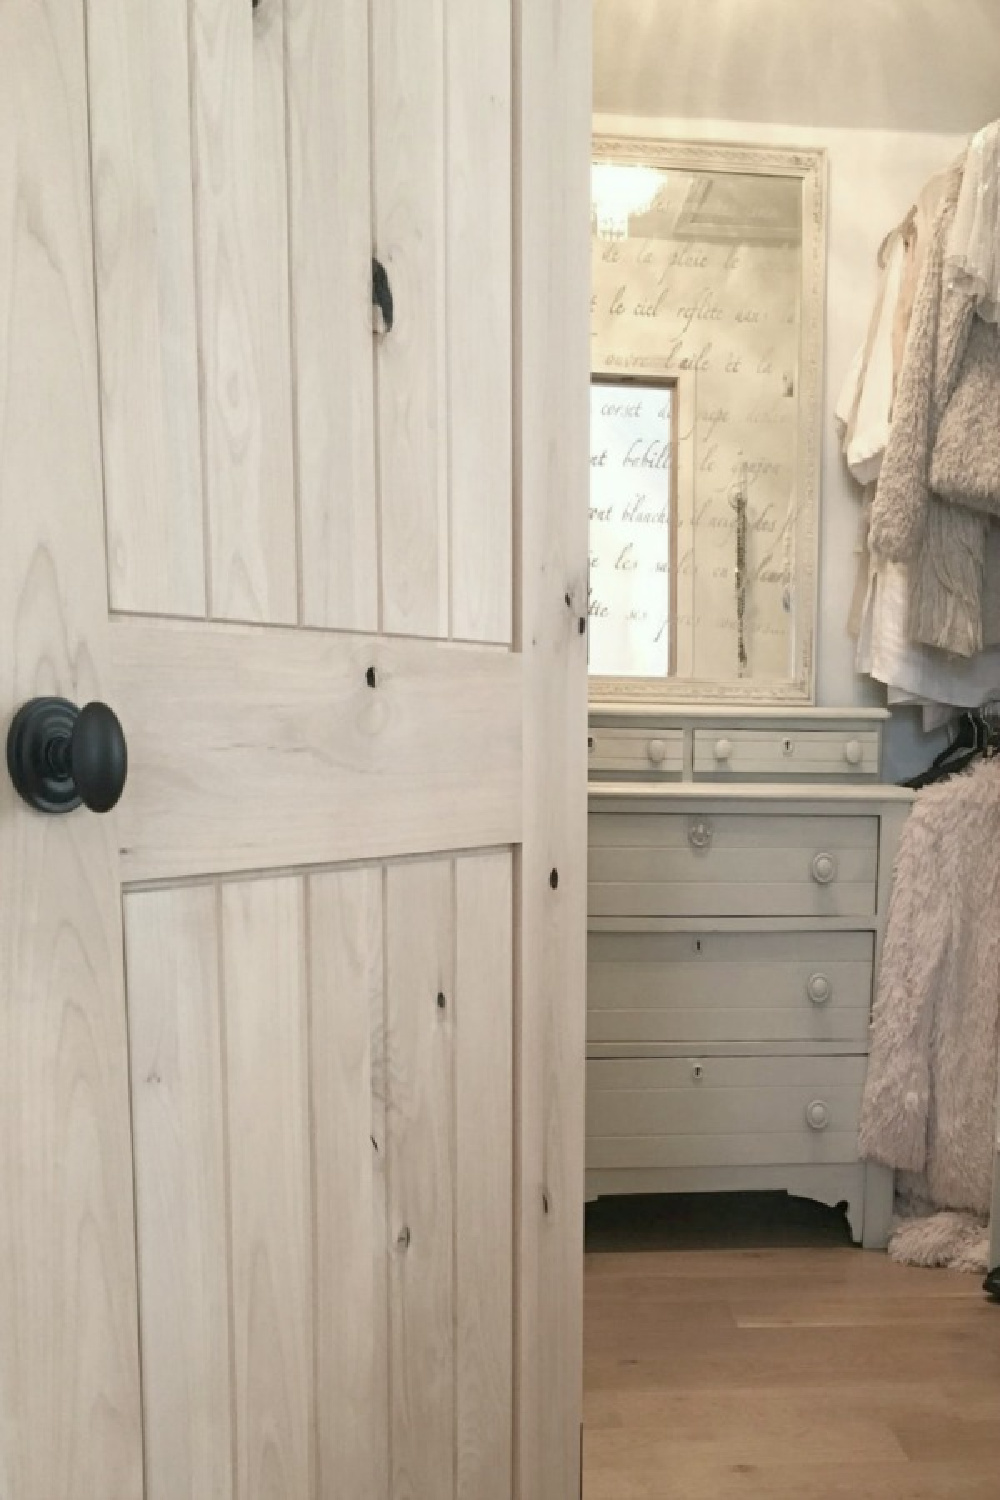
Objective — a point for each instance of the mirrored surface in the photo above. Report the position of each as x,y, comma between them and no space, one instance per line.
706,319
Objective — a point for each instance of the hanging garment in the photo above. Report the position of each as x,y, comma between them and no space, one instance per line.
945,545
972,257
929,1105
943,187
878,619
915,673
965,464
865,405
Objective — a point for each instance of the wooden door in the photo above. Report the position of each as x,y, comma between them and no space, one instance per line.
291,1043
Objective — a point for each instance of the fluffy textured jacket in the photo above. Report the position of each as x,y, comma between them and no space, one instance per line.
944,544
930,1098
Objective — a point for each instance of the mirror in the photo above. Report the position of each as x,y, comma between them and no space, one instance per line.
706,335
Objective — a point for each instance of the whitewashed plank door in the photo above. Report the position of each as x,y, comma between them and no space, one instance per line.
291,1042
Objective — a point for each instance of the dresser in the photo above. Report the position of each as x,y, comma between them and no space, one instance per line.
739,874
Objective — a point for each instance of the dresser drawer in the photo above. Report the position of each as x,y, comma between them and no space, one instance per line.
674,987
818,753
687,864
653,752
722,1111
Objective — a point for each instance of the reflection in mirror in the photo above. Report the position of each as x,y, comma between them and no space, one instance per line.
706,309
632,527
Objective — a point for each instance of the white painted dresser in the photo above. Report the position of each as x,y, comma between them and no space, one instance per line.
739,873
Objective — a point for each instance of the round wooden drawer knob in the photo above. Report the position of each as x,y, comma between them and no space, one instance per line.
854,752
723,750
817,1115
824,869
820,989
657,752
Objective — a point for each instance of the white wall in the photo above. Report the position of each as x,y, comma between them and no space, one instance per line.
815,73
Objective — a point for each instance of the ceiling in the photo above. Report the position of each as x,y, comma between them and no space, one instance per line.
912,65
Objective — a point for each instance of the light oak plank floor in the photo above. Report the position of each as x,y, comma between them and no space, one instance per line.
737,1351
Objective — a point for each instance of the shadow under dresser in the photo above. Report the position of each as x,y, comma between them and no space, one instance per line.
740,864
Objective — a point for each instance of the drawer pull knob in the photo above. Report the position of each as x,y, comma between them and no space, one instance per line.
697,1072
854,752
723,749
700,833
824,869
657,752
820,989
817,1115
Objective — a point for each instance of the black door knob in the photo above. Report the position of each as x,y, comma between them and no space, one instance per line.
60,756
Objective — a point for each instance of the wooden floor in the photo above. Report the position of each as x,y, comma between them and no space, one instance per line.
734,1362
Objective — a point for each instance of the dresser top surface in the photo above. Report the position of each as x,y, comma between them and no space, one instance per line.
811,718
663,794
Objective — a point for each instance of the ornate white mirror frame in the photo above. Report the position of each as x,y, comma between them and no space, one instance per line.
655,358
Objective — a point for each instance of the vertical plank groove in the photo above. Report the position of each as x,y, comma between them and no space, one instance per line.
198,272
456,1001
384,1468
447,350
287,84
227,1157
318,1291
142,1391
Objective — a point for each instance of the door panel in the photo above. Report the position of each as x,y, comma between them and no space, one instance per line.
421,1006
179,1110
484,1218
347,986
479,315
408,136
241,247
331,245
144,229
322,621
239,373
270,1272
266,1063
442,130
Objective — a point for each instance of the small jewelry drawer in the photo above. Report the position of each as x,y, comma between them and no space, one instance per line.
729,987
722,1111
649,752
691,864
817,753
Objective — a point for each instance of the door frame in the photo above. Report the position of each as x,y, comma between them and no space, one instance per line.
552,115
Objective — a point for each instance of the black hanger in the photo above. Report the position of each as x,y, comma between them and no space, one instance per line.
973,738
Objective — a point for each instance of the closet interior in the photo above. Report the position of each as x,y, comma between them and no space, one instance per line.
793,955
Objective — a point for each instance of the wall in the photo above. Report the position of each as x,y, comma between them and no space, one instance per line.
891,89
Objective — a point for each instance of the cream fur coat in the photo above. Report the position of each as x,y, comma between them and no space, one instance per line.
943,543
930,1099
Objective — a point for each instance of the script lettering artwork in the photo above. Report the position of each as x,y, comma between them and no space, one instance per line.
631,500
718,315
